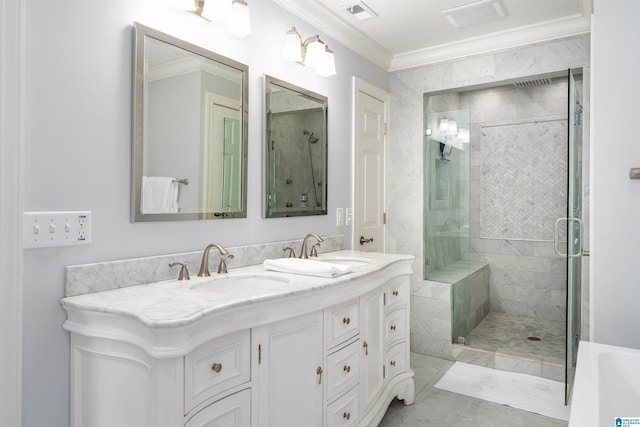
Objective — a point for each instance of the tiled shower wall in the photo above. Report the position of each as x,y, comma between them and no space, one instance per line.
430,301
518,188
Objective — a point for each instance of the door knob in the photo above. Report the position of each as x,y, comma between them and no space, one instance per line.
363,240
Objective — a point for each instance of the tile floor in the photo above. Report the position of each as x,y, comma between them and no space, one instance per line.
435,407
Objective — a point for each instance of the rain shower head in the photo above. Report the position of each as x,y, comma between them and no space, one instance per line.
312,139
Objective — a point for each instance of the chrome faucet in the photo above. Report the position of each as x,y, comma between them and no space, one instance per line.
204,265
303,249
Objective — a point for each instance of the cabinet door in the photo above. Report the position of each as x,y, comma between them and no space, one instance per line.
290,372
232,411
371,368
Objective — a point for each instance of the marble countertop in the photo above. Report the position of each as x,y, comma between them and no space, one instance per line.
174,303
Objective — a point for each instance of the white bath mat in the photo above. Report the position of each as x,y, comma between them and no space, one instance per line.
520,391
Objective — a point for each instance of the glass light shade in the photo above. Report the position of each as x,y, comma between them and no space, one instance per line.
314,55
239,23
453,128
219,11
292,46
328,66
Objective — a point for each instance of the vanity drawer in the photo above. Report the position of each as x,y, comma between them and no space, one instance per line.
343,369
342,322
345,411
396,360
395,326
215,367
232,411
397,292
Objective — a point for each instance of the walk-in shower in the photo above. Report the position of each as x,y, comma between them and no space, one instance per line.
498,173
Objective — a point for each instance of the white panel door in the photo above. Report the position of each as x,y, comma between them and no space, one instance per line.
369,189
290,372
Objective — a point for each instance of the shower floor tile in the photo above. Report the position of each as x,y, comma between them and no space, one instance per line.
507,334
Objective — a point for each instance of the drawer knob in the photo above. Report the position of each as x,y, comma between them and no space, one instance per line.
217,367
395,293
346,320
346,415
392,363
393,327
347,368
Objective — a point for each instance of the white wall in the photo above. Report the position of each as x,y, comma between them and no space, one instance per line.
615,233
78,144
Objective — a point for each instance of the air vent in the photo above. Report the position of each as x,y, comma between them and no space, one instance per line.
359,10
533,83
480,12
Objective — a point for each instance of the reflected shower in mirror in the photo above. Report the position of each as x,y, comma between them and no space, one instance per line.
190,139
295,151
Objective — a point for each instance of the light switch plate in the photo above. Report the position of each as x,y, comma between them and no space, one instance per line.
49,229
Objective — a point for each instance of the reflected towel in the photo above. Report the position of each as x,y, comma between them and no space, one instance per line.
306,267
159,195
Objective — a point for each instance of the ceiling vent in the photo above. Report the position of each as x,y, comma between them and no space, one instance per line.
359,10
479,12
533,83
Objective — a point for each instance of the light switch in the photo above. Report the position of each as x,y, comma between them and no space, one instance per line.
48,229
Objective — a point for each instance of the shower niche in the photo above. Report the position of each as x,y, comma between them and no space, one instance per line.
295,151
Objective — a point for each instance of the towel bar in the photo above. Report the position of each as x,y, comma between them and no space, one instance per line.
184,181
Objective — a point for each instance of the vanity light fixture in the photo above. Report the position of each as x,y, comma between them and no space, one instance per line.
312,53
234,14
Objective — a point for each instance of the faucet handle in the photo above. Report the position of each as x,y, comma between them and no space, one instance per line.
314,250
292,253
222,267
184,273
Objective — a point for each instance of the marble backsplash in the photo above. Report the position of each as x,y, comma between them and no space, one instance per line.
104,276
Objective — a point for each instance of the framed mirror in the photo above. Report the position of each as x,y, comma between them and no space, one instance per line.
295,150
190,131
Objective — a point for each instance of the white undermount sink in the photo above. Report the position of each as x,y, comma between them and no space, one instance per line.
222,282
345,261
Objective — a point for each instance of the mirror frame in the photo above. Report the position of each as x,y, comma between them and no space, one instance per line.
141,32
323,101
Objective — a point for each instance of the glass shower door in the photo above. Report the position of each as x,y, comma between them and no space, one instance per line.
574,232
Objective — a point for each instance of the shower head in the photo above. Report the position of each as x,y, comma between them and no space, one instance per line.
312,139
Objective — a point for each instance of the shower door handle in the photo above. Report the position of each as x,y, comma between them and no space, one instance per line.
556,238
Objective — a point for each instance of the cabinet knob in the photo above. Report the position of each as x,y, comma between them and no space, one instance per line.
347,368
217,367
346,415
392,327
346,320
395,293
392,363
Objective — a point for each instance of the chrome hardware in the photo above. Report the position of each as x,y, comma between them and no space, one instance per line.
395,293
346,415
184,273
292,253
346,320
303,249
363,240
319,372
556,238
366,348
347,368
217,367
393,327
204,264
392,363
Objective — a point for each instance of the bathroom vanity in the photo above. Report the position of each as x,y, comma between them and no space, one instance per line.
249,348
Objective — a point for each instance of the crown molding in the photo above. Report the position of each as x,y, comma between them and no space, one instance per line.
328,23
550,30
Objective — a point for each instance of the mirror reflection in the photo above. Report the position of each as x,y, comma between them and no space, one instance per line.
190,139
295,151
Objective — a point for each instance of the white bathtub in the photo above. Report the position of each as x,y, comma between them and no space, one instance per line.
606,387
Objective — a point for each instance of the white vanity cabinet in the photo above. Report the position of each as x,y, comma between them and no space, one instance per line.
321,353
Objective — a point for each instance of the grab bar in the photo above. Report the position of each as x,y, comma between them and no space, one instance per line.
556,238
